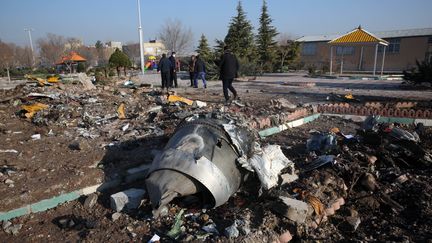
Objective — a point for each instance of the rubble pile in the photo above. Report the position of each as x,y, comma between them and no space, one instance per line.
330,180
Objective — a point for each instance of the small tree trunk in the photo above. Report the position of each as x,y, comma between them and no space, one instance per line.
8,74
118,71
124,70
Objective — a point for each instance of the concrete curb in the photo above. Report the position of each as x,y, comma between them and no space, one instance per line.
273,130
403,120
132,174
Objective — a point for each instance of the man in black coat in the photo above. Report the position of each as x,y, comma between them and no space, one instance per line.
173,71
164,68
229,67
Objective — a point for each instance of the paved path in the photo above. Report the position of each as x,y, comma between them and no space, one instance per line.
288,84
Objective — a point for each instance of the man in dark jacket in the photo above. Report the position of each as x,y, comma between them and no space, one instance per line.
192,70
164,68
229,67
174,69
200,72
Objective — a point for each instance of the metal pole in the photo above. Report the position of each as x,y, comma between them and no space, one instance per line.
29,30
331,59
343,50
375,61
383,60
140,37
361,59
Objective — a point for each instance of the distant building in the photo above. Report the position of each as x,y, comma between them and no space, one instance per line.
114,44
404,48
154,48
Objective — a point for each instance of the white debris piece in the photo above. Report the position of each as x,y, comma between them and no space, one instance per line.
129,199
268,164
199,104
155,238
8,151
36,136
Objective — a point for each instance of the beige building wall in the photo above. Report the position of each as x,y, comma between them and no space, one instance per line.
411,49
154,49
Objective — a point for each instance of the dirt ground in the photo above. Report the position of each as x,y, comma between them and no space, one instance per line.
83,143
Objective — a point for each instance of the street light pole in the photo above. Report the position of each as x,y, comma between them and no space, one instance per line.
140,37
29,30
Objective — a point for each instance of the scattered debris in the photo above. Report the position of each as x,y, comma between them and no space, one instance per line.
90,200
36,136
129,199
8,151
121,111
115,216
232,231
293,209
176,230
268,164
31,110
176,98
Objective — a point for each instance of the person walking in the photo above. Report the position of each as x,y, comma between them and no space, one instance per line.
164,68
174,69
191,70
200,72
229,67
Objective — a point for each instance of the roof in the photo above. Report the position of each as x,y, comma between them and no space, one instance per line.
379,34
358,35
73,56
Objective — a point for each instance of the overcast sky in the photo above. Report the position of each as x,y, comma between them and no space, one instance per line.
117,20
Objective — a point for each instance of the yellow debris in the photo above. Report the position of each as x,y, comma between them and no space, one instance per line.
121,111
33,109
53,79
316,204
175,98
41,81
349,96
335,130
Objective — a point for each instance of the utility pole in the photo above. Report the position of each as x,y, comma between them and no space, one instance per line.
29,30
140,37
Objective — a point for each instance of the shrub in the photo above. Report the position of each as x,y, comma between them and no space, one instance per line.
423,72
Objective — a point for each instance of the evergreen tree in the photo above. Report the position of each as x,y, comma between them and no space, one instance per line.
208,57
218,49
240,37
118,59
266,44
204,49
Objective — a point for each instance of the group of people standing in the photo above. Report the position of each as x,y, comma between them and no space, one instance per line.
228,67
168,67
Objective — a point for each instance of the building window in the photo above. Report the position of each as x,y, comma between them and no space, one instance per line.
430,40
344,50
309,49
393,47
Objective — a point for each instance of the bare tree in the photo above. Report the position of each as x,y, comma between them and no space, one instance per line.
175,36
287,49
73,44
51,48
7,57
23,56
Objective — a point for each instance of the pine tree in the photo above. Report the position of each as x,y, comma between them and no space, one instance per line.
240,37
266,44
204,49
